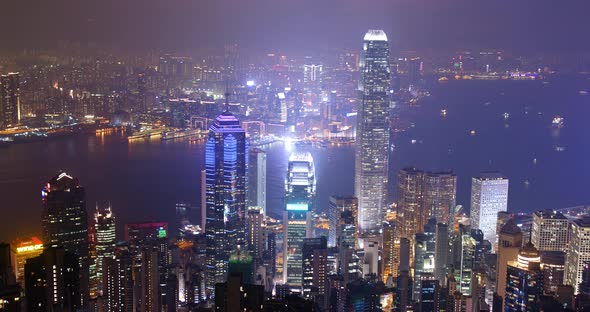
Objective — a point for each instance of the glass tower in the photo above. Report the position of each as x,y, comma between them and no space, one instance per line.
489,195
300,187
226,160
372,133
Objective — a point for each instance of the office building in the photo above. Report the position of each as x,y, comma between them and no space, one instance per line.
257,179
441,252
105,237
22,250
255,235
463,261
10,108
300,186
372,133
429,294
411,216
370,257
315,270
553,264
524,281
578,254
65,222
550,231
10,290
52,281
225,164
424,253
117,280
489,195
440,196
391,245
339,205
509,244
238,295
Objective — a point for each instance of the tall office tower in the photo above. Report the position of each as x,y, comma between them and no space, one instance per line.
312,73
524,281
52,281
509,244
255,223
104,228
391,245
489,195
553,264
550,231
441,252
150,280
65,222
411,216
118,282
9,100
203,200
22,250
372,151
429,294
339,205
257,179
578,254
300,185
424,252
226,160
463,259
315,270
440,196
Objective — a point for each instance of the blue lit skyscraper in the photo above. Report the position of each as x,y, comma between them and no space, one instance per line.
300,190
372,134
225,168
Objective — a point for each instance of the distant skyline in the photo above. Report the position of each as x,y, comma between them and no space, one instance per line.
297,26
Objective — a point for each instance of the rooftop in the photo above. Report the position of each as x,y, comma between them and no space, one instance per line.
375,35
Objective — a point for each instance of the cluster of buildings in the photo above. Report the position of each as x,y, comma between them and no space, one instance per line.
422,253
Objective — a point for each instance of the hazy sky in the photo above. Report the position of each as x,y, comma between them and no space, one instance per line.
298,24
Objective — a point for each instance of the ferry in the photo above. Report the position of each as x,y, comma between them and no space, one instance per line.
506,116
583,92
443,112
557,122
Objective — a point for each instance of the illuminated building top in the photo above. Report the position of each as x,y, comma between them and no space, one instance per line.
375,35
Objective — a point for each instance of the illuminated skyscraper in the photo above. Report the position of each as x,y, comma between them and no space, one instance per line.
510,241
312,73
578,255
524,281
424,252
489,195
104,228
550,231
372,151
315,270
226,159
65,222
22,250
463,260
257,179
410,213
440,196
340,205
9,100
300,187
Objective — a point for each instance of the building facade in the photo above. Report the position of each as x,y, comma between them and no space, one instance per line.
372,133
489,195
550,231
10,108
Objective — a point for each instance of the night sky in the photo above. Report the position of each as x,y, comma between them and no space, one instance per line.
302,25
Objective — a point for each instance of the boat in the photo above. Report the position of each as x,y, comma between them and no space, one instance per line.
443,112
506,116
472,132
557,122
583,92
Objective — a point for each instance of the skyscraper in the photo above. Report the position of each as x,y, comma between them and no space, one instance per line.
315,270
424,252
578,254
411,216
104,228
257,179
9,100
510,242
372,151
339,205
440,196
300,186
22,250
463,260
489,195
226,160
550,231
255,235
65,222
524,281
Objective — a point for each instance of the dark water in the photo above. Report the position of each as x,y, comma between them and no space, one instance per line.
144,180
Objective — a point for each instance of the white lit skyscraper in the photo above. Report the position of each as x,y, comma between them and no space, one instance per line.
549,231
300,190
9,100
257,179
489,195
104,227
372,151
578,255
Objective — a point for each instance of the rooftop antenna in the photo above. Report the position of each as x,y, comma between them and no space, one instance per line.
226,95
